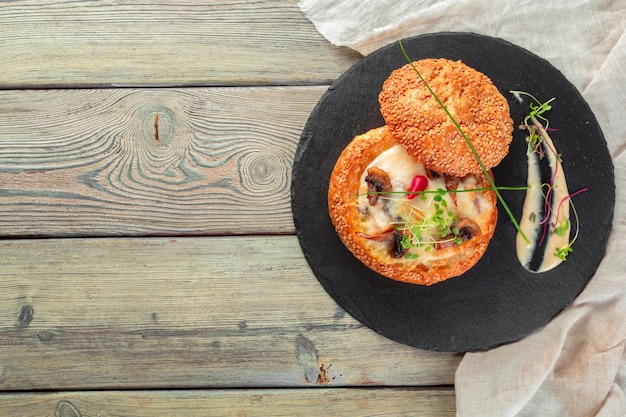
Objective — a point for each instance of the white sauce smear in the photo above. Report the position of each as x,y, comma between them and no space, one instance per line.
532,219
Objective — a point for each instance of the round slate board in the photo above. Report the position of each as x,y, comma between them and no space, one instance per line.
497,301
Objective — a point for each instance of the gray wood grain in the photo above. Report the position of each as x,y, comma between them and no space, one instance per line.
163,43
191,312
149,161
249,403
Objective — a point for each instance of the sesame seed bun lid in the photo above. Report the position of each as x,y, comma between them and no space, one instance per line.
419,122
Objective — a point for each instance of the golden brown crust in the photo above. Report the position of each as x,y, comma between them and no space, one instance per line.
437,265
423,127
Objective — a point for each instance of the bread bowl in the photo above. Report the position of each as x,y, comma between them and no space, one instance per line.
373,229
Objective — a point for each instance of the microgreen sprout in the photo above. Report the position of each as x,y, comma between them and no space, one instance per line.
531,121
469,144
562,253
560,230
423,231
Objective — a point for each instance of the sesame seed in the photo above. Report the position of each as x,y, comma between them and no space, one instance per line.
422,126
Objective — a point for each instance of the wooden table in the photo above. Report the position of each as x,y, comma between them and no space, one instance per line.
148,257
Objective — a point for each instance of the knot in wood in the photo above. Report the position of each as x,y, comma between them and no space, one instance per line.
264,172
65,408
157,125
25,316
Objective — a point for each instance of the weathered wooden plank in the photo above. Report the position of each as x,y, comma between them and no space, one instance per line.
163,43
239,403
149,161
190,312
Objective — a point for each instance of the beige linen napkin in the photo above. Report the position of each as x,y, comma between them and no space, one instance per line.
575,365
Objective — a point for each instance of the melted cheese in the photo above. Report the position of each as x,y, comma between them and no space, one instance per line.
390,210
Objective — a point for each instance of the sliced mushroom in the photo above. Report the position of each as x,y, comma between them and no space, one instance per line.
380,237
378,181
394,236
398,250
452,183
467,230
447,242
432,175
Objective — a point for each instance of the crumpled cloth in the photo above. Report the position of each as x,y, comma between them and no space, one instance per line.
576,364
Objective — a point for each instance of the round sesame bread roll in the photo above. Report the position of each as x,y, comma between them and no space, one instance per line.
379,223
423,127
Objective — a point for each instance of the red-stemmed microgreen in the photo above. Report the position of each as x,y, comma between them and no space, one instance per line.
562,253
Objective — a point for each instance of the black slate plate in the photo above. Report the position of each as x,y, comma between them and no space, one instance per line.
497,301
